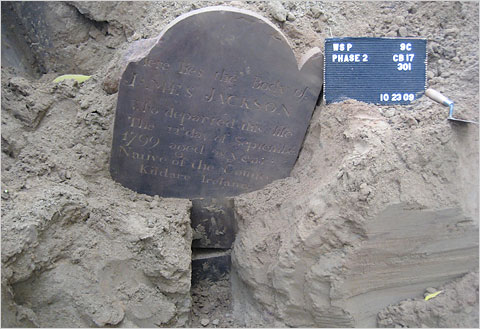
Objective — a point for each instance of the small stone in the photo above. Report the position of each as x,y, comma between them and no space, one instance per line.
399,20
389,113
411,121
430,75
84,103
452,32
391,34
96,34
216,322
204,322
64,174
136,36
278,11
365,192
340,174
432,48
291,17
449,53
154,204
316,12
238,4
292,31
5,195
429,291
402,32
456,59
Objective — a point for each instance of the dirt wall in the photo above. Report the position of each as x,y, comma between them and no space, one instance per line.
383,201
332,246
77,248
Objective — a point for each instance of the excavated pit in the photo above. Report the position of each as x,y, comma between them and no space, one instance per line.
213,225
211,291
380,209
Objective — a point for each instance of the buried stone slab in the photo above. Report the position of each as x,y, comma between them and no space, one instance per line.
213,225
218,107
211,265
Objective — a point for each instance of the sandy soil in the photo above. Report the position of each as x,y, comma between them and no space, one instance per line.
381,206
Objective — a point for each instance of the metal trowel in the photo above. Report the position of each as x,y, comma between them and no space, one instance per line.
438,97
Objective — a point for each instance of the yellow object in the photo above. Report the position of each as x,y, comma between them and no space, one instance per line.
77,77
435,294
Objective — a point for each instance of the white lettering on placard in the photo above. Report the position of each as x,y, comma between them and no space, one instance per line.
342,47
349,58
406,46
404,61
404,66
393,67
403,57
397,97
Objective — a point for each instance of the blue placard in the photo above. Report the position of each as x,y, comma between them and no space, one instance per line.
375,70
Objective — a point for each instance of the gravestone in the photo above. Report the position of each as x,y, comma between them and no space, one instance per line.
213,223
218,107
212,267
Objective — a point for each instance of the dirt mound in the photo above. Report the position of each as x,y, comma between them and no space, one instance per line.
77,248
353,230
455,306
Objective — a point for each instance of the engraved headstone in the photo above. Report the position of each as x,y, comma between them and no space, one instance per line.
218,107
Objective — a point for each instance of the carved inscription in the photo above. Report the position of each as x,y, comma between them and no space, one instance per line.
206,114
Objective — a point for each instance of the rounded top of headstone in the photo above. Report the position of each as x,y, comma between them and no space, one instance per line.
237,13
225,9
